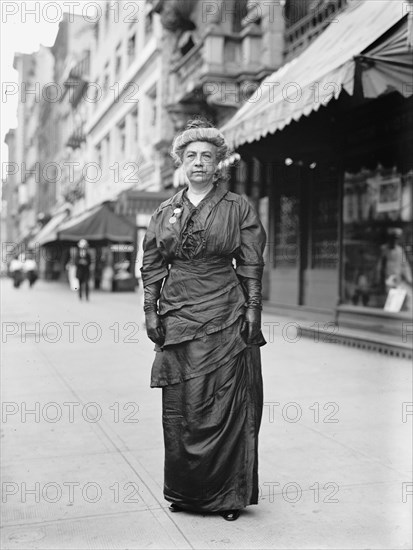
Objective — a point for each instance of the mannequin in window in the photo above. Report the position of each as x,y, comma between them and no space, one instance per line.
394,270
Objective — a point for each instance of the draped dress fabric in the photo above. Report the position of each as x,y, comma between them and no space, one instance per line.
210,377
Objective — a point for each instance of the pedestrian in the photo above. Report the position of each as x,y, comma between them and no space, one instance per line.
30,269
16,271
82,262
207,331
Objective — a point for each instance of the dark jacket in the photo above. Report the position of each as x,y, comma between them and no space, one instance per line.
82,262
202,293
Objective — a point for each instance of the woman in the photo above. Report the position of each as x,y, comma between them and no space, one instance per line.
82,262
207,331
30,269
16,271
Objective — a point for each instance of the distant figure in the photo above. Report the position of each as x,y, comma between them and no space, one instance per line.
82,262
30,269
16,270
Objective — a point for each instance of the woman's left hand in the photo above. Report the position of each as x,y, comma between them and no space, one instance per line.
154,328
252,324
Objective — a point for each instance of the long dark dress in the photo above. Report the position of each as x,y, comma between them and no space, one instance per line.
210,378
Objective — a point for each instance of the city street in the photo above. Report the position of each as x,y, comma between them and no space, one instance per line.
82,442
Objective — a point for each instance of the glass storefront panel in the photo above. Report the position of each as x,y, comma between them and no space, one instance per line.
377,239
324,231
285,251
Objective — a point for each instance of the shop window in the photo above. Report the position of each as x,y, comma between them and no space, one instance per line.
324,230
286,218
286,231
186,42
377,239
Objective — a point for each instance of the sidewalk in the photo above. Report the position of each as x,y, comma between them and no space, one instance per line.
84,469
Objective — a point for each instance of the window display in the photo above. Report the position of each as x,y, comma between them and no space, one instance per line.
377,239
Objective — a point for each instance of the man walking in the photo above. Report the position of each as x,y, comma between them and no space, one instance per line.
82,262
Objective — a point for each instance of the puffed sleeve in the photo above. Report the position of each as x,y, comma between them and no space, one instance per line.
249,256
154,265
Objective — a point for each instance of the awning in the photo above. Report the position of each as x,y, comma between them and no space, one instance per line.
328,66
48,233
99,226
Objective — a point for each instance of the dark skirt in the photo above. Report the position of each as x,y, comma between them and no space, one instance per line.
211,425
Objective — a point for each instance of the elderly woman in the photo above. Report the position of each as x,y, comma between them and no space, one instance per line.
204,316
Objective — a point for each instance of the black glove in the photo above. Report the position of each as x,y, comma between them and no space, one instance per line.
154,328
252,323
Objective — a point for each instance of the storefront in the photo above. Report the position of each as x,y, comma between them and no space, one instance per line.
51,255
336,172
111,238
377,198
138,207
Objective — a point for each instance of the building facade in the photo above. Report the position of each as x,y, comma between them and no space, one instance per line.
218,54
125,118
35,71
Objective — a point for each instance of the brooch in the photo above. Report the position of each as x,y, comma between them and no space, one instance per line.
177,213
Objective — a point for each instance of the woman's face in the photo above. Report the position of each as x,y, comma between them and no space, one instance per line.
200,162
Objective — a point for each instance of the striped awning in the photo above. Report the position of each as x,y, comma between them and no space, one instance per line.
361,41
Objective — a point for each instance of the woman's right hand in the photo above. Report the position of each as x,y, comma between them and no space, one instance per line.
154,328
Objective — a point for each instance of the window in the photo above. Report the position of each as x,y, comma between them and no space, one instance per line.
118,60
135,127
152,106
99,155
240,11
106,79
131,48
149,25
122,136
149,11
106,153
376,239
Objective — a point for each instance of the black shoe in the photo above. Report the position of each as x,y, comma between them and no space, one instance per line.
175,508
230,515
